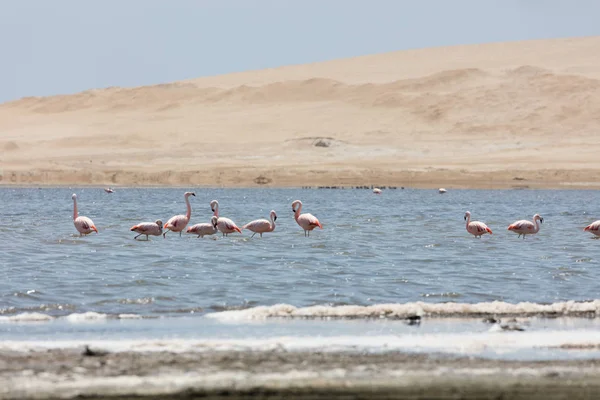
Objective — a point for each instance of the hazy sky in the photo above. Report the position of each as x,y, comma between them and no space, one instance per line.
65,46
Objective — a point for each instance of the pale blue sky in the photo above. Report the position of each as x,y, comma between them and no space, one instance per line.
66,46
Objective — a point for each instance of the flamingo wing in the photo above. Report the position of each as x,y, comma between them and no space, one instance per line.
259,225
176,222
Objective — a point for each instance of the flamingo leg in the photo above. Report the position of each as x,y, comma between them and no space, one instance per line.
147,238
261,234
255,234
138,236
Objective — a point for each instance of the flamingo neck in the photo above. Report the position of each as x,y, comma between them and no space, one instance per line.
297,213
216,213
272,223
74,209
468,220
537,224
188,215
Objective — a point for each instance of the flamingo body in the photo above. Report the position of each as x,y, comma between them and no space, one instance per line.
594,228
476,228
224,225
307,221
525,227
261,226
377,191
148,228
204,229
179,222
84,225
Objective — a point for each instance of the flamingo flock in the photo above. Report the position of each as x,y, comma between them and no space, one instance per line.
306,221
178,223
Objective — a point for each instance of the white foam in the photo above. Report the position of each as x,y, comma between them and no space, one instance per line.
498,308
89,316
26,317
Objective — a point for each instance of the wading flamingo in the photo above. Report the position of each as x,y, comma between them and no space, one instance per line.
307,221
205,228
225,225
524,227
148,228
84,225
476,228
377,191
179,222
261,226
594,228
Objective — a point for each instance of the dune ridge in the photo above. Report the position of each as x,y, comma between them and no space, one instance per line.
520,114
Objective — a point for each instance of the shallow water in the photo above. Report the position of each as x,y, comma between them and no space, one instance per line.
401,247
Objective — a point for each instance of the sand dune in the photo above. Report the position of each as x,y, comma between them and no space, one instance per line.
521,114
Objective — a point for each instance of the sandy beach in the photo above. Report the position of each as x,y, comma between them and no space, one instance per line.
502,115
76,373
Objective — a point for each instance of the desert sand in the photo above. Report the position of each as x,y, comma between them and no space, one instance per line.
500,115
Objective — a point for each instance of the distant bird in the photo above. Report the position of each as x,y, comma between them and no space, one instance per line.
261,226
594,228
179,222
204,229
307,221
441,190
148,228
108,190
377,191
525,227
476,228
225,225
84,225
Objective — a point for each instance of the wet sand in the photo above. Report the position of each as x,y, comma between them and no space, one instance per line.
500,115
72,373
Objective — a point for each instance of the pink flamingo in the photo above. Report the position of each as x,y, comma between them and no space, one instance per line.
204,229
476,228
179,222
261,226
307,221
84,225
594,227
148,228
225,225
525,227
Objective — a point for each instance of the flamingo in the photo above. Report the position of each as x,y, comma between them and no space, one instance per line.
377,191
108,190
476,228
594,227
84,225
179,222
441,190
205,228
307,221
225,225
261,226
525,227
148,228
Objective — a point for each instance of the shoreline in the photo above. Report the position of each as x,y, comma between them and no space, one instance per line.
93,373
322,179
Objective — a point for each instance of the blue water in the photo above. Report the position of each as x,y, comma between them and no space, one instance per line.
402,246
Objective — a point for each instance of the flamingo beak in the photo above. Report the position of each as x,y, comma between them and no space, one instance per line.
541,219
465,218
275,218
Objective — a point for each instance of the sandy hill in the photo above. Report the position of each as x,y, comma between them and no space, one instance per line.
493,115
